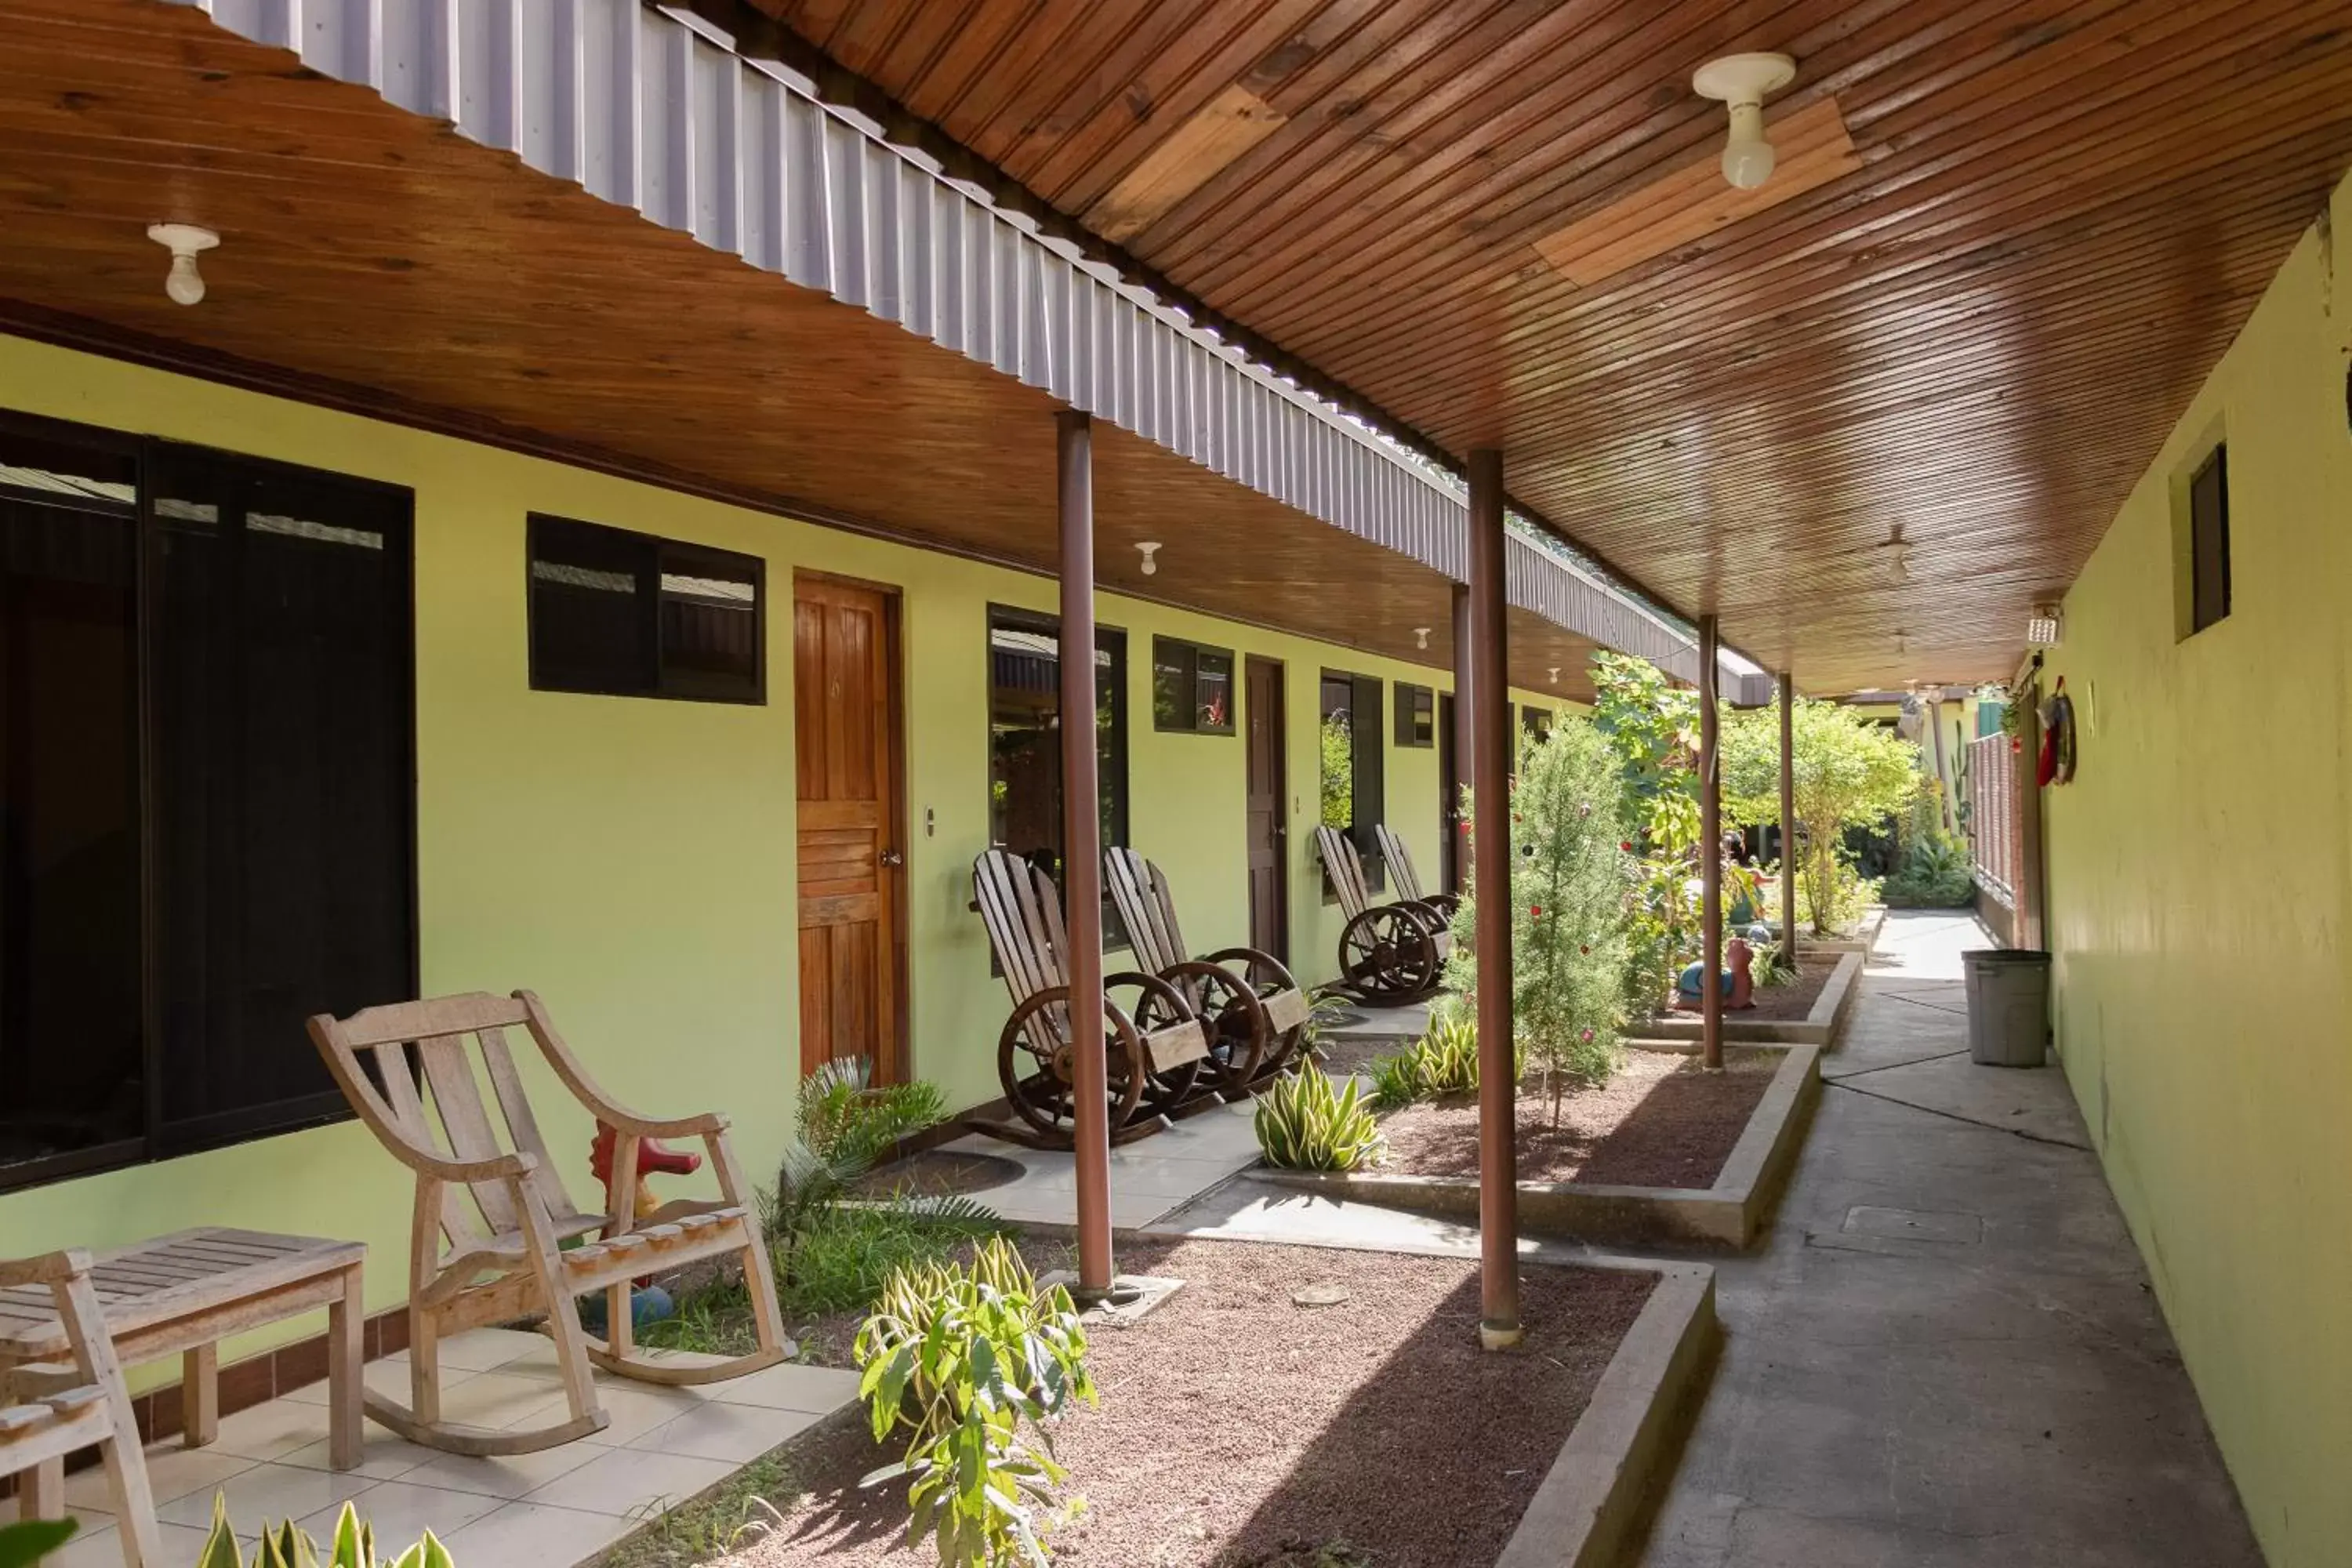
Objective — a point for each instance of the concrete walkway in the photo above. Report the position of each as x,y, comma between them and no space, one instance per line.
1948,1353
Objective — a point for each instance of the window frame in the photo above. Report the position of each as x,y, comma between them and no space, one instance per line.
1189,653
1114,776
2214,464
1416,716
159,1139
1367,765
669,557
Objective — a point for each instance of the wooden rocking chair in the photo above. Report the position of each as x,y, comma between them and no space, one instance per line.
1154,1046
1252,1009
506,1259
1389,954
36,1436
1408,880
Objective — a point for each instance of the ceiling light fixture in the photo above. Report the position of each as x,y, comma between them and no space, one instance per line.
2042,629
1742,83
1421,636
1555,674
185,241
1149,551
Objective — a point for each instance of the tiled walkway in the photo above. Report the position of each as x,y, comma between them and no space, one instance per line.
548,1510
1148,1177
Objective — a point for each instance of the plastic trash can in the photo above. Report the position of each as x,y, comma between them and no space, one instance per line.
2009,1006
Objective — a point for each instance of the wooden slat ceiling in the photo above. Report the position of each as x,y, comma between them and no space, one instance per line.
374,259
1873,425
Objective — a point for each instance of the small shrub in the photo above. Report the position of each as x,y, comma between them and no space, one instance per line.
1765,968
842,1256
287,1547
1306,1123
1441,1063
1935,875
843,1119
974,1362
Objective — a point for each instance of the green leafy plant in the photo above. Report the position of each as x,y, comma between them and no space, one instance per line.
1307,1122
1652,728
287,1547
1767,966
1935,874
1849,773
974,1362
28,1541
1569,911
842,1256
1338,772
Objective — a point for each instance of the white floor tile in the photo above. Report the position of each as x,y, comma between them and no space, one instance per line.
630,1482
267,1430
815,1389
637,1409
735,1433
172,1473
388,1378
495,1399
262,1498
532,1535
401,1512
486,1349
96,1545
382,1455
506,1476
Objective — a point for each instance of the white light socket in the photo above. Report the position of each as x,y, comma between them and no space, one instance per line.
185,241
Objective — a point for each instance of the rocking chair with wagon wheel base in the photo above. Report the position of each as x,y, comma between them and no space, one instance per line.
502,1256
1253,1011
1389,954
1408,880
1154,1049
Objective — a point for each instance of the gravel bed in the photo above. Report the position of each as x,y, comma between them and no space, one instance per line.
1779,1004
1663,1122
1238,1429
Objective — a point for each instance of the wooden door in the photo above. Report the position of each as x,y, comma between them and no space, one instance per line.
852,853
1266,792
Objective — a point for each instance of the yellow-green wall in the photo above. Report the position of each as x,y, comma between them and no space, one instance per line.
2199,890
633,860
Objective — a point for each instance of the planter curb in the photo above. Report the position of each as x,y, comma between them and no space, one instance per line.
1732,1213
1819,1027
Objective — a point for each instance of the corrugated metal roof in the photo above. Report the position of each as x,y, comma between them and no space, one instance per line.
644,109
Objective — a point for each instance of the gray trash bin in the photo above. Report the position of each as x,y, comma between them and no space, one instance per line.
2009,1006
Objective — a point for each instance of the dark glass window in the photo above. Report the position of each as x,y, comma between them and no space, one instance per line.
1351,764
628,615
1535,723
1416,715
71,1053
244,856
1191,687
2209,541
1024,738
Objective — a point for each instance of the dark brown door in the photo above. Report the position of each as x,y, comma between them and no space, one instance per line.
852,860
1267,829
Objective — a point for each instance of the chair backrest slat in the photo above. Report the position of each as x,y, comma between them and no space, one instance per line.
1024,916
1401,867
522,1125
1141,892
395,1071
1346,869
457,1097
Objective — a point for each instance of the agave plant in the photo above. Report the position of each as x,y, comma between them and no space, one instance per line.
1305,1122
287,1547
25,1543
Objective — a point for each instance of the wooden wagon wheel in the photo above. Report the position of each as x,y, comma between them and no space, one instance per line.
1389,954
1159,1005
1442,905
1033,1063
1267,977
1240,1034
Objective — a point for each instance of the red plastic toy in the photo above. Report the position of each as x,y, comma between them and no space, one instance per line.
653,1159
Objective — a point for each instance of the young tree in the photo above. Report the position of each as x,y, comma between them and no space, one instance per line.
1569,885
1849,772
1651,726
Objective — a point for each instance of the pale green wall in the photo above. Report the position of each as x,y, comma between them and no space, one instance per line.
633,860
2200,889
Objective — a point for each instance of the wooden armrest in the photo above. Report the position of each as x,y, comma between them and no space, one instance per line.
620,1120
515,1166
49,1269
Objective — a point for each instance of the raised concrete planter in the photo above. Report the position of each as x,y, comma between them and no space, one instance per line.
1589,1509
1819,1027
1732,1213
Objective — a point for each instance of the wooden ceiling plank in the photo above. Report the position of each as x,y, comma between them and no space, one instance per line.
1231,124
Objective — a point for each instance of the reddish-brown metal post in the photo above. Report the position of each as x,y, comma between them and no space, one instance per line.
1465,737
1787,821
1710,850
1490,839
1082,852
